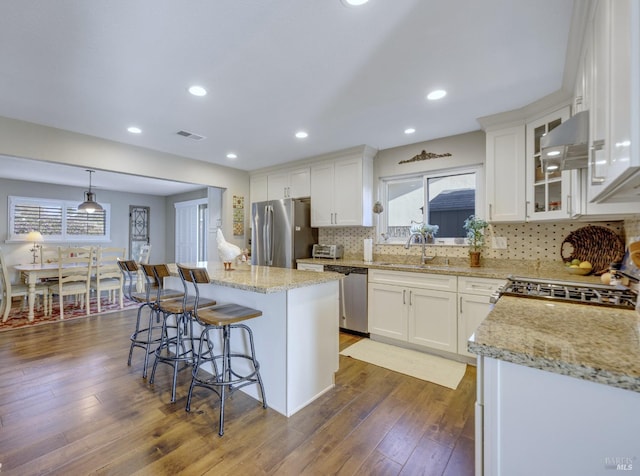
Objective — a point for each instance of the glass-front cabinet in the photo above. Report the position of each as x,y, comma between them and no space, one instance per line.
549,193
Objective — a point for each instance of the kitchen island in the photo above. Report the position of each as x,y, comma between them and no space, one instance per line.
296,338
558,389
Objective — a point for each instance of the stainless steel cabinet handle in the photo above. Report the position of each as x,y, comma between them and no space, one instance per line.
490,211
410,298
569,205
403,299
527,209
460,304
596,146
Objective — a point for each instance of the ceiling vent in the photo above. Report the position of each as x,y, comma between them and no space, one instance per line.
190,135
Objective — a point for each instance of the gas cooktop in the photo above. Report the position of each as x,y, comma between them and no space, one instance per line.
597,294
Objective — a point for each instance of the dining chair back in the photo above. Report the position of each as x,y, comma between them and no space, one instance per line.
11,290
143,258
145,251
74,277
108,276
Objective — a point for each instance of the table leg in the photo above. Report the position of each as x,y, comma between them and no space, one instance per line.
31,281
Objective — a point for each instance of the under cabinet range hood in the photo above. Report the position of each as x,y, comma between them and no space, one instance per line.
567,144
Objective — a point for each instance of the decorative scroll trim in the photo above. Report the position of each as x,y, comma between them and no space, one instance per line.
424,155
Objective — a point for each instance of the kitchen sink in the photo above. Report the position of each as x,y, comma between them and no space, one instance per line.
408,265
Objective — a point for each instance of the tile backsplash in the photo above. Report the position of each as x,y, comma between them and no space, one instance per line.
525,241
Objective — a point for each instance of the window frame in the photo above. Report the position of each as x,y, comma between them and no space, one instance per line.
383,182
66,207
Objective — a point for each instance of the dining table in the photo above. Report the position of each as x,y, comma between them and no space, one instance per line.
34,274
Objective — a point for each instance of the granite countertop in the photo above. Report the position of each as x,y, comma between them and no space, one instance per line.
596,343
261,279
498,269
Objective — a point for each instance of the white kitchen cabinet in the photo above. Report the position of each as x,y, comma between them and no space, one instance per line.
549,194
613,46
505,174
533,422
414,308
318,268
473,307
289,184
258,188
342,192
388,310
432,321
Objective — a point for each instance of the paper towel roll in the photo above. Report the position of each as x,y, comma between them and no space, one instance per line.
368,250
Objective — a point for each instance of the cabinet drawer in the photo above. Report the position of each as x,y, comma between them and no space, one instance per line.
310,267
417,280
480,286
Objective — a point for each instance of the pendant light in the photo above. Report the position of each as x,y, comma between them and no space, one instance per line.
89,205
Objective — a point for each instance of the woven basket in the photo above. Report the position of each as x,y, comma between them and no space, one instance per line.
596,244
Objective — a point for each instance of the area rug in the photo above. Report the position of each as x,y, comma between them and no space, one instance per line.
19,318
431,368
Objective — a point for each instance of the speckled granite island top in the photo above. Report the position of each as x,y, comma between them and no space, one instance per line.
595,343
261,279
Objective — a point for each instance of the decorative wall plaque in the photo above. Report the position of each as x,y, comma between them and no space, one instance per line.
424,155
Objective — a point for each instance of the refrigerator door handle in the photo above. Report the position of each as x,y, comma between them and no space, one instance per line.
265,235
269,235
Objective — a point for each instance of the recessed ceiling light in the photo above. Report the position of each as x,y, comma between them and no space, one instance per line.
354,3
553,153
552,167
134,130
410,130
231,155
198,90
437,94
302,135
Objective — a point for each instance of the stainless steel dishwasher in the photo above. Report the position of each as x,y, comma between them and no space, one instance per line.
353,298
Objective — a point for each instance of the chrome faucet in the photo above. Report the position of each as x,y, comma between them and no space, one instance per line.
421,238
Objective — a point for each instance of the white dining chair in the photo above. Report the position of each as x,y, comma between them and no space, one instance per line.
108,276
74,277
143,258
11,290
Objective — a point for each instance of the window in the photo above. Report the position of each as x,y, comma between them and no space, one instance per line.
57,220
443,198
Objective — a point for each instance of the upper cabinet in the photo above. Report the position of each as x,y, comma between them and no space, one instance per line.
505,174
258,188
294,183
611,67
548,188
289,183
342,191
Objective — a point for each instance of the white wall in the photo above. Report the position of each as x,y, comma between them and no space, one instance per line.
465,149
19,252
33,141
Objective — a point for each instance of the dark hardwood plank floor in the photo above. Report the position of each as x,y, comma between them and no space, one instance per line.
70,405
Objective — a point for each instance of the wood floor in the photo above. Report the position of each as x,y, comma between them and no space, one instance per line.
69,405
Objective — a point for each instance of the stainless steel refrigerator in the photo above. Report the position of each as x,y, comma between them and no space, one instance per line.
281,232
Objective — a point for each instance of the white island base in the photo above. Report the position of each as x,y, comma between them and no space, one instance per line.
296,340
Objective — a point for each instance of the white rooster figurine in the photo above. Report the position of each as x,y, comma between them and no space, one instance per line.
228,252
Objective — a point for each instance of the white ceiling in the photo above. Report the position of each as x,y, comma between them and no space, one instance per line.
347,75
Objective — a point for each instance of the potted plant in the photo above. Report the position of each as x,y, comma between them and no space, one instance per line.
475,237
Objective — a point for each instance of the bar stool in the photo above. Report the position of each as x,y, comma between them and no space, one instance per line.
173,349
146,338
226,376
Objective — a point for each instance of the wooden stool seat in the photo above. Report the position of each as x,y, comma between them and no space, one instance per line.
177,306
227,314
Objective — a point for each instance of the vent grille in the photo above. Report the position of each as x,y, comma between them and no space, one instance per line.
190,135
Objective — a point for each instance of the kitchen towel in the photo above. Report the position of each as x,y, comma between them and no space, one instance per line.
368,250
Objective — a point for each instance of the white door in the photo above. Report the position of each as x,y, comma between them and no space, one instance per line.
188,232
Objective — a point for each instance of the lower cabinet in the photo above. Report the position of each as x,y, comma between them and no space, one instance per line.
473,307
414,307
